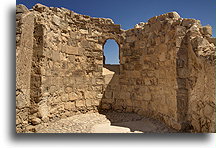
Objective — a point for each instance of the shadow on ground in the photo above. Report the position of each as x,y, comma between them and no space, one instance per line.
136,122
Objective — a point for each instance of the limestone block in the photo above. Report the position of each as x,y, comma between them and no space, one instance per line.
69,105
68,89
196,125
43,109
72,96
80,103
55,55
130,39
18,18
180,30
208,111
96,102
18,120
175,125
52,89
99,96
65,97
64,27
35,121
206,30
90,94
178,42
40,7
23,98
23,114
99,81
189,22
98,47
147,96
56,20
174,15
146,65
27,31
72,50
83,31
75,35
88,102
150,81
21,9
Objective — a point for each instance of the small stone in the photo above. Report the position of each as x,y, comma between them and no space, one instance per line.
68,89
208,111
21,9
30,128
35,121
82,31
80,103
88,102
69,105
45,119
72,96
206,30
56,20
40,7
174,15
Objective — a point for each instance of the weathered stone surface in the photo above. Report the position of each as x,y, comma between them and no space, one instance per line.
206,30
24,52
80,103
35,121
69,106
21,9
208,111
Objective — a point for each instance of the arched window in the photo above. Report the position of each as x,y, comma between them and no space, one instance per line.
111,52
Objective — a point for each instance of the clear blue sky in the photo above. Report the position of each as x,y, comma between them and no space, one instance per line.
127,13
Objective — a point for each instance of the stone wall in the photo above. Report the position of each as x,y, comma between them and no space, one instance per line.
201,79
147,79
158,65
24,46
156,71
66,77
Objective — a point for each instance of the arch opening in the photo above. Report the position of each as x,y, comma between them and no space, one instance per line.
111,52
111,60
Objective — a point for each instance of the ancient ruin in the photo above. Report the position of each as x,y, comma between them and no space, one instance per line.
166,70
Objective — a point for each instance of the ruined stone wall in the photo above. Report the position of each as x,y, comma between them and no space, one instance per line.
158,75
148,70
201,79
156,71
24,46
67,62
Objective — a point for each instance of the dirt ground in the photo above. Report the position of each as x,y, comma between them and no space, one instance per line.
110,122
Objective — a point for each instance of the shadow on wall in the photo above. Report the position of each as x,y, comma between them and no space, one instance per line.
111,87
114,108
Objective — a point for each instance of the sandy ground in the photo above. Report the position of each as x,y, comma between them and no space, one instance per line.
110,122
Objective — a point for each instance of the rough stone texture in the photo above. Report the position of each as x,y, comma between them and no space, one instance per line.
166,68
24,46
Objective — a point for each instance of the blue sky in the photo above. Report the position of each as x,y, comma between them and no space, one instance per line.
127,13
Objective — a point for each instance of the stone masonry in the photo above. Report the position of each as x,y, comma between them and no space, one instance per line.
166,70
